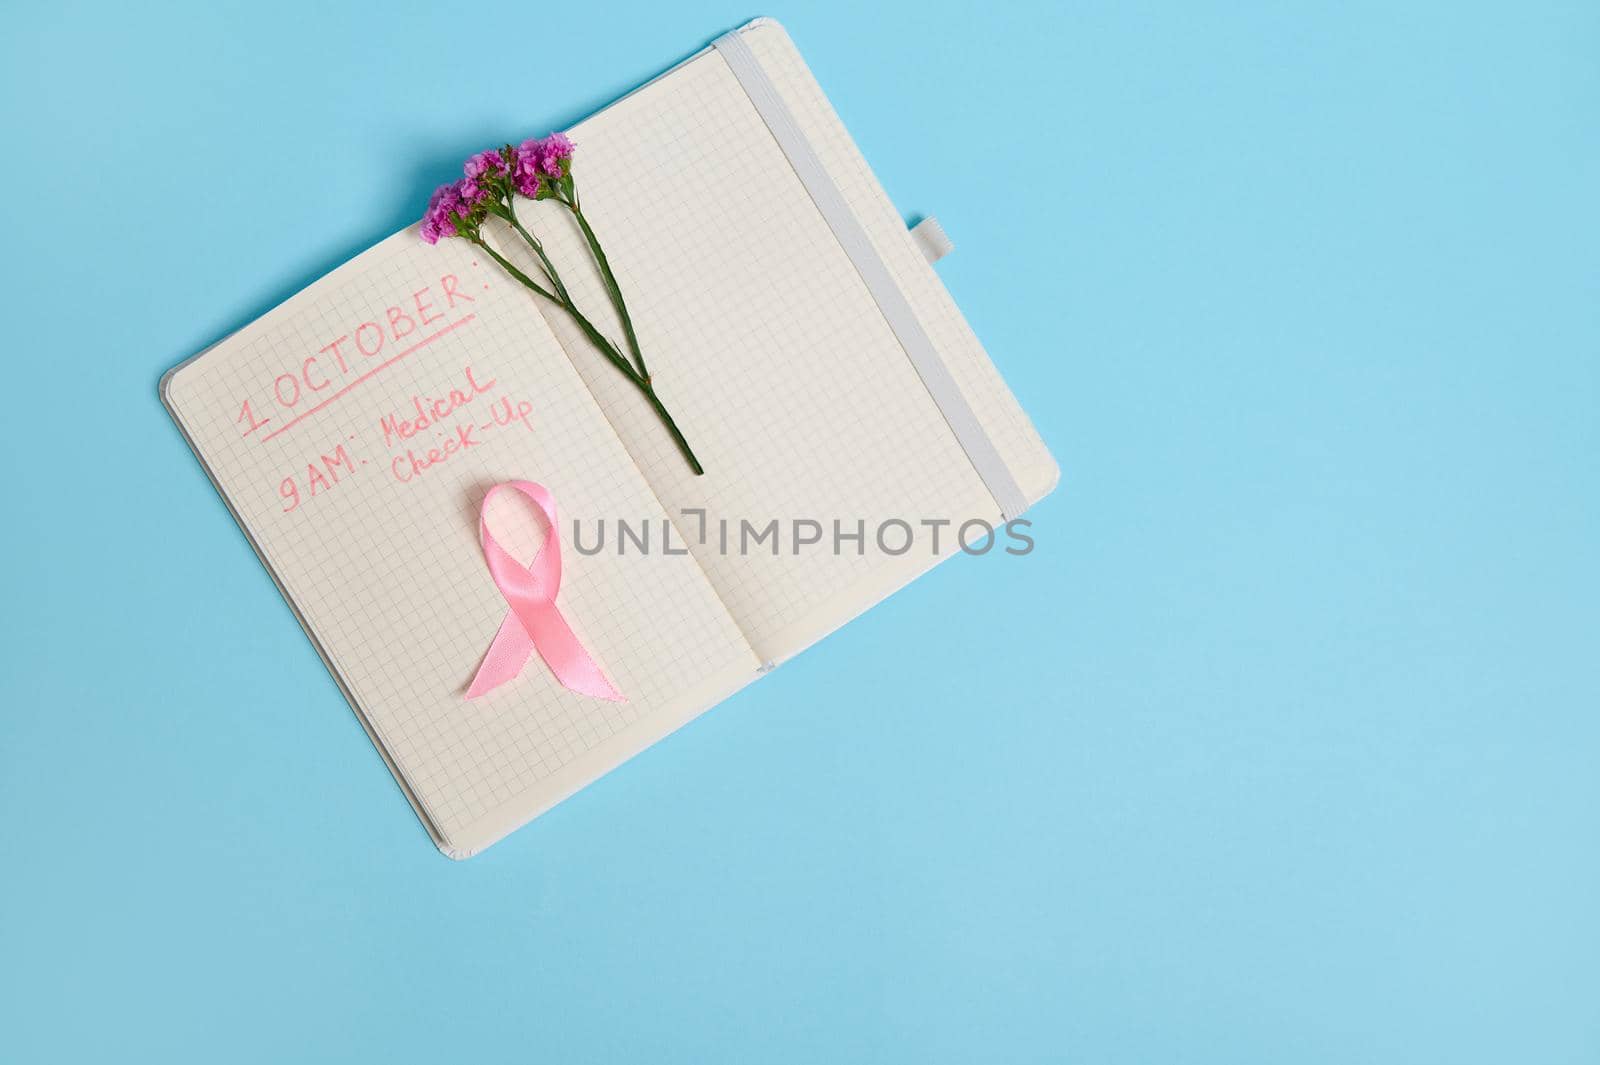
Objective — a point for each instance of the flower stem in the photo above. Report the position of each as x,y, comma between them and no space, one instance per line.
538,248
510,268
608,349
612,288
598,339
672,427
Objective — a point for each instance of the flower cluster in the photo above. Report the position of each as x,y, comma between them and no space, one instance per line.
531,169
539,162
541,169
449,213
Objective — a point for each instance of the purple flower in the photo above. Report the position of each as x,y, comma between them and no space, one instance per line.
525,171
455,209
537,159
488,161
438,220
460,207
472,196
481,170
553,151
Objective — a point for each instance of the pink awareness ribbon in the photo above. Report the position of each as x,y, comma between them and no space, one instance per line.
533,620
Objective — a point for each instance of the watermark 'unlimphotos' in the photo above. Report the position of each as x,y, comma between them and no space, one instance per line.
796,536
541,170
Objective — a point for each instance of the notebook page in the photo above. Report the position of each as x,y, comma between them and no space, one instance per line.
354,431
770,351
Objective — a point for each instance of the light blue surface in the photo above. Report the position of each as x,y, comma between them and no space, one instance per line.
1283,746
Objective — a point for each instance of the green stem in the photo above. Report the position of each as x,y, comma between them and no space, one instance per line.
672,427
608,349
639,377
612,288
538,248
510,268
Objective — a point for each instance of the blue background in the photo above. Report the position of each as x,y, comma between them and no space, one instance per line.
1282,747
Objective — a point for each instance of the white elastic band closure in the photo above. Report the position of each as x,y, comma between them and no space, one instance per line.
891,301
931,240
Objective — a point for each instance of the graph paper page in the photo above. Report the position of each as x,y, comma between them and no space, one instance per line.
354,431
771,352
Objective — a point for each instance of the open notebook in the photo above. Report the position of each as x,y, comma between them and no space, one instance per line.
796,331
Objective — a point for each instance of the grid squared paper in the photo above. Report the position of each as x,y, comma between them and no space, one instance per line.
763,341
768,348
389,576
1003,418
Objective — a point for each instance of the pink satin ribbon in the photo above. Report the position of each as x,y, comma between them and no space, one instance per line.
533,621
